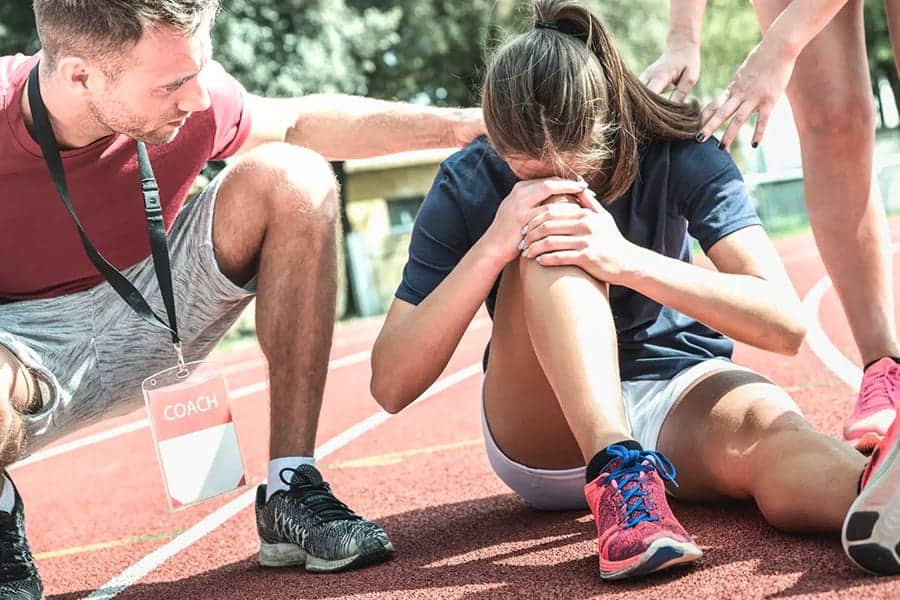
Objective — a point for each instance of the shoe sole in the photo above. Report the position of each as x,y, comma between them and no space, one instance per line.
291,555
866,443
871,531
662,554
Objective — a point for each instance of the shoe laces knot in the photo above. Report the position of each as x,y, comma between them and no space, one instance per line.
879,386
630,480
308,487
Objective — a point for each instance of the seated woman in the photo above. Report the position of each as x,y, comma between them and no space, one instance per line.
610,354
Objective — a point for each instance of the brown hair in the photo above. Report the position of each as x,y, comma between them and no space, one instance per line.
105,29
562,92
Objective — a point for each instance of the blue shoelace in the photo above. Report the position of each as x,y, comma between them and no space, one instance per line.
628,479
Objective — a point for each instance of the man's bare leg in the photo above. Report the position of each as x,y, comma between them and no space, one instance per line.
275,217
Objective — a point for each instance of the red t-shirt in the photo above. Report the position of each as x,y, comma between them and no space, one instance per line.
41,254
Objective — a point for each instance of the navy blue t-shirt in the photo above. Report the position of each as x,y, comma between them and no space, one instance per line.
682,187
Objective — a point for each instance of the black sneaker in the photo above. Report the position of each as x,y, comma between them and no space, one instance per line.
19,579
307,525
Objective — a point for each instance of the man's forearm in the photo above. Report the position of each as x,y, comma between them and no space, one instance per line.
685,21
344,127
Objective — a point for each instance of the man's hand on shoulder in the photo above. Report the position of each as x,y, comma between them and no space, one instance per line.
469,127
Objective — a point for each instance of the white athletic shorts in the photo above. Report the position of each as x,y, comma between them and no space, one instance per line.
647,404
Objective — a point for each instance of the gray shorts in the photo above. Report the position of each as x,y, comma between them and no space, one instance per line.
90,352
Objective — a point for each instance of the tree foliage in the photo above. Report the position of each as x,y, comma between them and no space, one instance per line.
434,50
17,32
881,55
295,47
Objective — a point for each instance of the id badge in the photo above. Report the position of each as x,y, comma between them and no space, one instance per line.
194,435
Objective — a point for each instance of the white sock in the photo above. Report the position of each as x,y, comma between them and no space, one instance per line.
8,496
275,467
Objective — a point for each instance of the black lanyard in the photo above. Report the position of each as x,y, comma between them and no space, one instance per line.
158,244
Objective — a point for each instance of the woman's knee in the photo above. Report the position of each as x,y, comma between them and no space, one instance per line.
739,417
772,416
845,121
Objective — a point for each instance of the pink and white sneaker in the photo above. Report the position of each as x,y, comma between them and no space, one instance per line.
871,531
637,533
876,406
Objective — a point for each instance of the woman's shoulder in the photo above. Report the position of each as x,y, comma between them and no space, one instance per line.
477,160
689,159
475,173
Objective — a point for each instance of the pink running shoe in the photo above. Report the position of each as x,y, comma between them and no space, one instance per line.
871,532
875,407
637,533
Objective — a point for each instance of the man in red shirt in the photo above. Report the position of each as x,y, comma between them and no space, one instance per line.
72,351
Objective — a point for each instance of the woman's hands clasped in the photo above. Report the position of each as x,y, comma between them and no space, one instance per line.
583,235
523,203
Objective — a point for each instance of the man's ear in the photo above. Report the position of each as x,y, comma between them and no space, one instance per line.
78,76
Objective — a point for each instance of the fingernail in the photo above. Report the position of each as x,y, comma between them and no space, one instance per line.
755,144
525,230
701,138
525,252
539,260
521,244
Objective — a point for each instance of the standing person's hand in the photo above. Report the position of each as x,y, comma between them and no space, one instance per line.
758,84
678,66
505,234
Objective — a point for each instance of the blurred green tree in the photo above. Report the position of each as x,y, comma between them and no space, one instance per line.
295,47
881,55
730,31
17,32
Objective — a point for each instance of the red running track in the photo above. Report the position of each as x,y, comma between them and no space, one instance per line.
97,513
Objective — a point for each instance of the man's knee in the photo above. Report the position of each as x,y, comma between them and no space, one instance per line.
17,392
295,183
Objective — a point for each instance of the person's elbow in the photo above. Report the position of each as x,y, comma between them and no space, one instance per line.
386,397
385,388
791,336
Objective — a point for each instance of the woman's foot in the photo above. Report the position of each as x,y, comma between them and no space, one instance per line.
636,530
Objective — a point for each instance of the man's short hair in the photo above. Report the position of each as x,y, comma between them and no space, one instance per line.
104,30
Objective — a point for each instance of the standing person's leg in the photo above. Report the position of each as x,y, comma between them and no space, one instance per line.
830,94
553,403
275,218
750,441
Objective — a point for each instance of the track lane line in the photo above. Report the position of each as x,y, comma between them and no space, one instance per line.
819,342
214,520
96,438
102,436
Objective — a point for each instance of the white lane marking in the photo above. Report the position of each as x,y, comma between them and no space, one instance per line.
81,443
121,430
242,392
819,342
211,522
